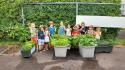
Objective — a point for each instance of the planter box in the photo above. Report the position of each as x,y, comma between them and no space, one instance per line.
87,51
60,51
29,53
104,48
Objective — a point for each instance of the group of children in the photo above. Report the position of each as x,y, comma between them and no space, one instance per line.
42,36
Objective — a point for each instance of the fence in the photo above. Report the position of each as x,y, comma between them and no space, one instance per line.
43,12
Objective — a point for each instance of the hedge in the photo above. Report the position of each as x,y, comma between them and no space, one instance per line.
10,14
41,14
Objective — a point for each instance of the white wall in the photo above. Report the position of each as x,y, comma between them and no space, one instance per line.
123,1
102,21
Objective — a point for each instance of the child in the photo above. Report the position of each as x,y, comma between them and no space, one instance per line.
98,33
41,38
47,39
51,28
83,28
34,32
76,30
90,30
61,30
68,30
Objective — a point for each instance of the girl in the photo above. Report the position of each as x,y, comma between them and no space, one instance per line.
51,28
41,38
76,30
90,30
61,30
34,34
47,38
68,30
98,34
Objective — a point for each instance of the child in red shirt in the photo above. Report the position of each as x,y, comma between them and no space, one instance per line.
76,30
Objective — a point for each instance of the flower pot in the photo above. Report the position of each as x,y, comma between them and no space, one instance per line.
87,51
60,51
27,54
104,48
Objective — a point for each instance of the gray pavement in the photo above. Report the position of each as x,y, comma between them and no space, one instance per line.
44,61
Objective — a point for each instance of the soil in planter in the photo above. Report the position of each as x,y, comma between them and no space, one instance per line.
12,50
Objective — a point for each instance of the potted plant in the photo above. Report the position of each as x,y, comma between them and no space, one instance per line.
61,44
28,49
75,45
75,41
87,46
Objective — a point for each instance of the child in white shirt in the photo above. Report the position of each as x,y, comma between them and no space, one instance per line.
68,30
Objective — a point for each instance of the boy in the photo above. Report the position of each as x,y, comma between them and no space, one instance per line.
41,38
51,28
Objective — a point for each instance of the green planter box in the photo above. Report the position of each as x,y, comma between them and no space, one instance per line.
27,54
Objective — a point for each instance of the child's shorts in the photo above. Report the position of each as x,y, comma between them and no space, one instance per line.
41,41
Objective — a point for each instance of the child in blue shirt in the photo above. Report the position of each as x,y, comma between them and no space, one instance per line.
41,38
51,28
61,30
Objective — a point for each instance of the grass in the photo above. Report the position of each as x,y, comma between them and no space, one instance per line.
120,42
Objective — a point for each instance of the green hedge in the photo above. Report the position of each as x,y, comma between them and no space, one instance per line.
14,32
100,9
41,14
10,15
96,1
10,10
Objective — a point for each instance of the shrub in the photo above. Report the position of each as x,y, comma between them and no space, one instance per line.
27,46
60,40
88,40
85,40
15,32
75,41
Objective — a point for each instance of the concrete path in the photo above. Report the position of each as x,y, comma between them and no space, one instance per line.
44,61
2,48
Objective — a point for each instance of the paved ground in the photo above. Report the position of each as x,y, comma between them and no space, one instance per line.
44,61
2,48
